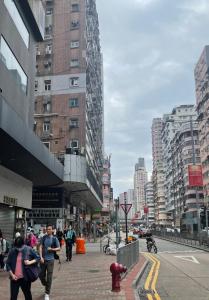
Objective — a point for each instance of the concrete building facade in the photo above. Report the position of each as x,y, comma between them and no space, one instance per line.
149,196
158,175
25,161
140,179
69,100
179,134
201,74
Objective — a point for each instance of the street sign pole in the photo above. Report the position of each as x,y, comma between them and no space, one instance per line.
116,229
126,207
126,214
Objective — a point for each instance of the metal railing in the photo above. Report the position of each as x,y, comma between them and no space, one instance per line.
200,241
128,255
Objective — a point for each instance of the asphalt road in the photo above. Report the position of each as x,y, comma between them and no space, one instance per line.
183,272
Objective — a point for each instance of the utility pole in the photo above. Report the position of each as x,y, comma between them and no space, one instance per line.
194,163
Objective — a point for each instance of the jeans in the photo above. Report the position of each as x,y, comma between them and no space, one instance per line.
46,274
25,287
69,247
1,261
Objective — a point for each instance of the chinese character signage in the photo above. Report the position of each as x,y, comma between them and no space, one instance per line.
195,175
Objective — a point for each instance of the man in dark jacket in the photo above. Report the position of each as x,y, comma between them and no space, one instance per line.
70,238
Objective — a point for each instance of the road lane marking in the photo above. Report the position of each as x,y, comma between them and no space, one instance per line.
181,251
188,258
152,277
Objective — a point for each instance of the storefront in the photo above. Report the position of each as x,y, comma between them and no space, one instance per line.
15,199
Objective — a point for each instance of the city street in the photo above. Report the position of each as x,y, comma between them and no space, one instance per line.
183,272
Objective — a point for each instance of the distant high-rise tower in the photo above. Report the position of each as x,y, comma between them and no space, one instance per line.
140,179
158,172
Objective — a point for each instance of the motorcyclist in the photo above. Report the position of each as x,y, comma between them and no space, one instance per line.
149,238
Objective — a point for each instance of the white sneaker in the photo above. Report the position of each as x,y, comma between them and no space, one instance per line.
46,297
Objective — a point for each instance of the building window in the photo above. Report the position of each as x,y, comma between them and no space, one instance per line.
17,19
74,144
73,102
74,44
74,81
73,123
48,49
74,63
49,11
46,126
74,25
47,107
75,7
47,144
12,65
36,85
47,85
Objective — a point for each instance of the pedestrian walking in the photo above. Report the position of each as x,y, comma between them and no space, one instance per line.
19,257
70,238
60,236
49,244
3,249
31,240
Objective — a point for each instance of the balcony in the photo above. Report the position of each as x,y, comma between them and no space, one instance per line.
81,181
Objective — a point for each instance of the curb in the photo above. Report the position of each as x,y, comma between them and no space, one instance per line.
192,246
139,275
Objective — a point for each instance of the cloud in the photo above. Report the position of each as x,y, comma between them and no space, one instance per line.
150,48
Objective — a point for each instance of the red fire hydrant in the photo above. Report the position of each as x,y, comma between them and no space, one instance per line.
116,269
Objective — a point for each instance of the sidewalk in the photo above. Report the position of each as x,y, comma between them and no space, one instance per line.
86,277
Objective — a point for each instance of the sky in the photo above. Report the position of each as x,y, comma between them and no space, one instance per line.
150,49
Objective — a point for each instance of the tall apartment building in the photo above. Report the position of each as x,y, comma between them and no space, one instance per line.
107,206
140,179
129,200
149,196
25,161
158,176
201,74
69,98
179,134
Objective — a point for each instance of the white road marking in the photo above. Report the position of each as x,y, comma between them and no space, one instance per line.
181,251
188,258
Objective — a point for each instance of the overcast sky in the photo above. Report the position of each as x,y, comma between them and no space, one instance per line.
150,48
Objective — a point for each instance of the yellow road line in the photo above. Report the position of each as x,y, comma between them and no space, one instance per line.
149,277
155,268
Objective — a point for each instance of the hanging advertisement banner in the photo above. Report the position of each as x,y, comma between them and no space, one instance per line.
195,175
146,209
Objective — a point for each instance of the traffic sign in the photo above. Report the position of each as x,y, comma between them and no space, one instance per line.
126,207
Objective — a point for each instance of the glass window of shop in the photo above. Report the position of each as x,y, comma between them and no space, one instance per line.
10,61
17,19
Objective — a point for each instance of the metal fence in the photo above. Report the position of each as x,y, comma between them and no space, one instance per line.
200,240
128,255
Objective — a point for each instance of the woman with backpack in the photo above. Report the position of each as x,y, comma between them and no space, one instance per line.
19,258
3,249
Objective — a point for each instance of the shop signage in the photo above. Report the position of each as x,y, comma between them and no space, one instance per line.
10,201
195,175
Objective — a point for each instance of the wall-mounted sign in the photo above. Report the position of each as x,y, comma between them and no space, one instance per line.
10,201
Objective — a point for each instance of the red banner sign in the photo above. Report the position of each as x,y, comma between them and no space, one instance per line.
195,175
146,209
